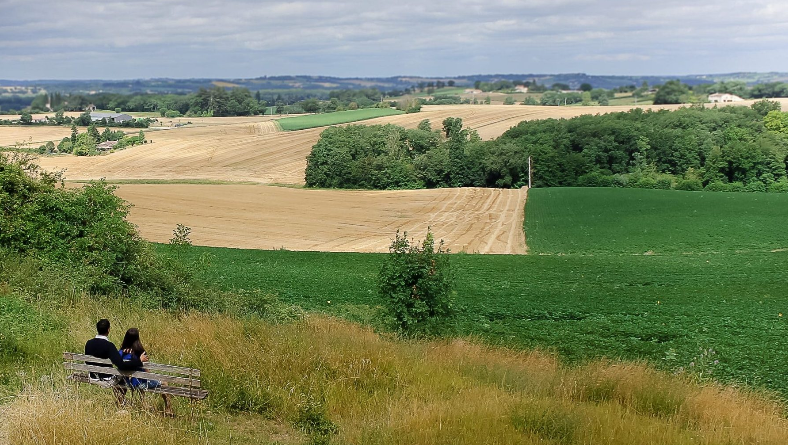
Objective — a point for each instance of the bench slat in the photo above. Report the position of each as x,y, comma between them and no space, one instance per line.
193,393
198,394
71,356
138,374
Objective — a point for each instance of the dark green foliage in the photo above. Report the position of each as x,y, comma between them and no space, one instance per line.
416,283
763,107
672,92
358,156
77,228
641,149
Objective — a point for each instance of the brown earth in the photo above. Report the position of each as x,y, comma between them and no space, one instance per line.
264,217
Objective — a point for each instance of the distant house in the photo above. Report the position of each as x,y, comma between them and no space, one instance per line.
110,117
520,89
724,97
472,91
90,108
108,145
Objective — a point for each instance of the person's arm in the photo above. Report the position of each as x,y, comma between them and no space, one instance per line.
124,365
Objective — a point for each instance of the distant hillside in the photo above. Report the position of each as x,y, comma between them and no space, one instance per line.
327,83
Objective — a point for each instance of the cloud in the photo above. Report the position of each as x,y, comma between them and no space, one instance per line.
248,38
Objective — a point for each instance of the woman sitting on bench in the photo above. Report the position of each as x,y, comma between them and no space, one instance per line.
132,348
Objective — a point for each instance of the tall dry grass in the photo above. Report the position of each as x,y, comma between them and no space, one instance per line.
321,380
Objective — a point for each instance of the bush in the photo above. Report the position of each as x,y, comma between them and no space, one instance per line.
716,186
755,186
646,183
690,185
77,228
778,187
416,284
595,179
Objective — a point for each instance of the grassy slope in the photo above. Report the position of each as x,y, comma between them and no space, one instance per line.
339,117
288,383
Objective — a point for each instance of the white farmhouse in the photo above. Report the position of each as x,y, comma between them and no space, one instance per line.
724,97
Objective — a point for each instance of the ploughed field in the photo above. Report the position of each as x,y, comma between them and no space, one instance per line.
474,220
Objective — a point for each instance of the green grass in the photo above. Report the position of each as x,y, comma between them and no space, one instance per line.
631,100
339,117
595,294
660,308
635,221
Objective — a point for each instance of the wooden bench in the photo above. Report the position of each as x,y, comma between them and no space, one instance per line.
178,381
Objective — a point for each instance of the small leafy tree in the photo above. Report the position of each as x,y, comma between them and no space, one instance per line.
416,283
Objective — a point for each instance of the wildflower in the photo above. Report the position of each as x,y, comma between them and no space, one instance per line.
716,361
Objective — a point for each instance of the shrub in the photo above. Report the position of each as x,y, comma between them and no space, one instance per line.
416,283
690,185
595,179
778,187
716,186
77,228
755,186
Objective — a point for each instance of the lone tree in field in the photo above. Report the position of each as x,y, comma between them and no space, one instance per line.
416,283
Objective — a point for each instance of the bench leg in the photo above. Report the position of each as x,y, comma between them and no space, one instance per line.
120,395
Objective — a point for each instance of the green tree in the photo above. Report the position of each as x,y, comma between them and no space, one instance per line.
26,118
509,100
764,106
586,86
94,133
673,92
415,282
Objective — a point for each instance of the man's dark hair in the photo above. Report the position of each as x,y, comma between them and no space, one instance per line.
102,327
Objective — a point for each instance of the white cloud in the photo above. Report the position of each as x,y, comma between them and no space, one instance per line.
377,38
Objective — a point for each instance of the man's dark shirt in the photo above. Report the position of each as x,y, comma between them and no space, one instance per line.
101,348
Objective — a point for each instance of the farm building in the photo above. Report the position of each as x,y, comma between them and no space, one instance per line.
724,97
110,117
108,145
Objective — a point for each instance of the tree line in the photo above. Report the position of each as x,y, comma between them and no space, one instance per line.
729,148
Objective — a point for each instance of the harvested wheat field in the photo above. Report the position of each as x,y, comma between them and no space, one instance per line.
255,152
264,217
31,136
253,149
491,121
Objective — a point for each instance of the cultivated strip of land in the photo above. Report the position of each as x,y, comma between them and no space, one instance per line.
262,217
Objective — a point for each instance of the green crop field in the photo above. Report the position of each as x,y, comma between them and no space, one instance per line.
339,117
594,294
636,221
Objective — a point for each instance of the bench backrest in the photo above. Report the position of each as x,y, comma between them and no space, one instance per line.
180,381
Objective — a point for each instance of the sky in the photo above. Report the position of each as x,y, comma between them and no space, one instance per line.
110,39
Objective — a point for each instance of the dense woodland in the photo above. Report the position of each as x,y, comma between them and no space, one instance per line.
728,149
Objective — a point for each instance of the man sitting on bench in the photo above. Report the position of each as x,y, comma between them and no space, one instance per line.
101,347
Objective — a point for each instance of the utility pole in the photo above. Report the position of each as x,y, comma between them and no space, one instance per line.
529,172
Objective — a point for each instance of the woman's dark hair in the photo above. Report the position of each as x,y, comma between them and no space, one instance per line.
132,341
